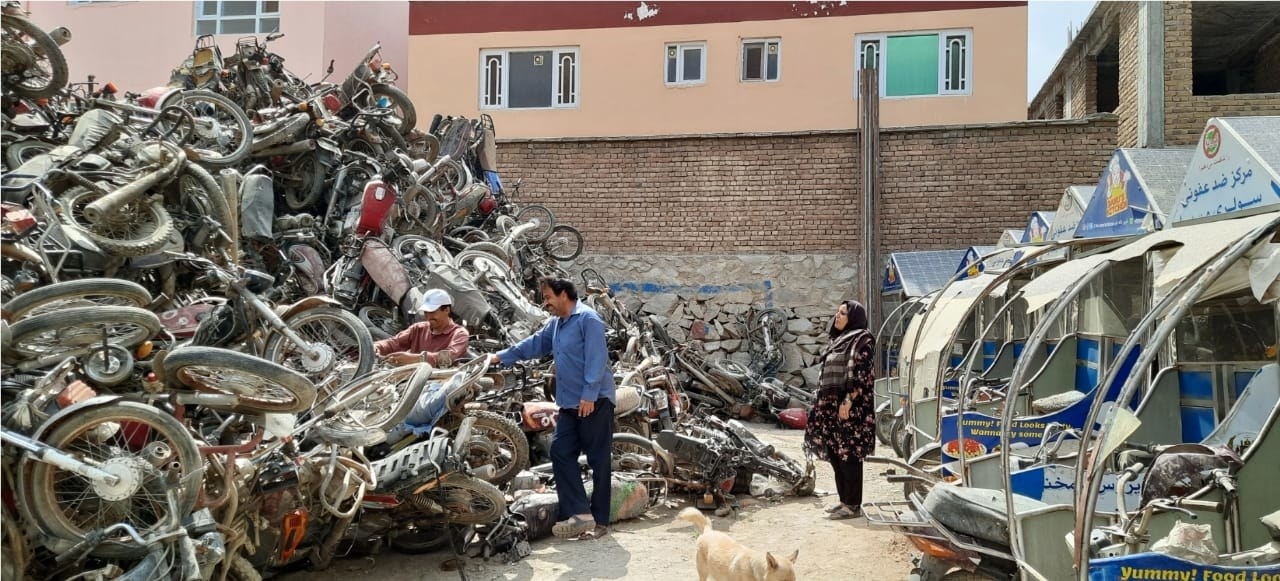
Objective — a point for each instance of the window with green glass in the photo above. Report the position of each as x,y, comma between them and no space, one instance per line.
917,64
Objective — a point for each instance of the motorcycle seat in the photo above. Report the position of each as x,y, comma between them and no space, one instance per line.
1056,402
975,512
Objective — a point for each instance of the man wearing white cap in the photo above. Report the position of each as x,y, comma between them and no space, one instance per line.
436,340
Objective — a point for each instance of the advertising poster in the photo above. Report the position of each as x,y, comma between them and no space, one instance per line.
1227,175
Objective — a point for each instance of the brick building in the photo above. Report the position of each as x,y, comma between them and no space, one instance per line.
1164,68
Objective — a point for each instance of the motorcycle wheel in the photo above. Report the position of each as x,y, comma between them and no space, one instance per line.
345,345
731,369
424,539
899,437
474,262
136,441
240,569
377,400
632,424
414,245
884,427
564,243
13,565
469,500
546,221
138,228
36,52
200,198
490,248
262,386
401,104
636,453
380,321
496,440
71,329
223,134
20,152
304,182
85,292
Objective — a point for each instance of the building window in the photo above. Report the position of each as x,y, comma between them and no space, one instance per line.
761,59
686,63
529,78
237,16
918,64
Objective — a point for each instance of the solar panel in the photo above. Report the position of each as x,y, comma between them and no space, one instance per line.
925,271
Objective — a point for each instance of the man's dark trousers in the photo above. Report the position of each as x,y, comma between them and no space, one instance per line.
592,435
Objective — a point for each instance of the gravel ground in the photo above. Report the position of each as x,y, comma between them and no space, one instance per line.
658,546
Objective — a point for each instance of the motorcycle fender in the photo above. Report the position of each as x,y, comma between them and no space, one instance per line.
882,408
308,304
385,269
922,451
67,412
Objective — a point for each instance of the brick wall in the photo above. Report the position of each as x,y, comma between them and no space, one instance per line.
1126,16
942,187
1267,65
1185,114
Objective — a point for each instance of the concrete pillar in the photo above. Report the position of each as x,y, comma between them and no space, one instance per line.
1150,73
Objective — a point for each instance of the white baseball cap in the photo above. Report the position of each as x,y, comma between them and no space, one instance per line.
435,298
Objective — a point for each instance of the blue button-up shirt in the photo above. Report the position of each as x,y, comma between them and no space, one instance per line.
582,356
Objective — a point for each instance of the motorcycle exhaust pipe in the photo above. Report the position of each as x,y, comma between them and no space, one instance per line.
280,130
297,147
230,182
111,203
60,35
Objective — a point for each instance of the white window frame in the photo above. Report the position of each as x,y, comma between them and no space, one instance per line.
680,47
883,45
764,62
557,54
257,18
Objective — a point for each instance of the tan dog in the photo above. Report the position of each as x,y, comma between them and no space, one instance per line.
724,559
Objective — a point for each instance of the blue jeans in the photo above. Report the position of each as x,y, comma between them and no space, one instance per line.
592,435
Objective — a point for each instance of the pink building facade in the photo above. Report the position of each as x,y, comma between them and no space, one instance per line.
137,43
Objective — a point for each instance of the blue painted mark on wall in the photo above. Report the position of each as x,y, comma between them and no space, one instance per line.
765,287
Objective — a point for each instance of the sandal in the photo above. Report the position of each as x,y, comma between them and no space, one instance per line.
832,508
595,533
843,512
572,527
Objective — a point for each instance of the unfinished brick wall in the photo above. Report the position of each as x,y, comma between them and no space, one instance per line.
942,187
1126,17
1268,66
1185,114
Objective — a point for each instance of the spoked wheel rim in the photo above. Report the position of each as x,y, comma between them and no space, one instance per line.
421,246
83,327
373,409
249,387
470,500
138,228
26,63
341,347
134,442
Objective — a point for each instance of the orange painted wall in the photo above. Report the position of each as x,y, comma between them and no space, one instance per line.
622,91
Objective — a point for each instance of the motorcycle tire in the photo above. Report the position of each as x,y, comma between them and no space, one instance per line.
640,448
499,432
377,400
71,329
471,261
303,183
632,424
425,539
413,245
199,197
899,437
546,221
14,553
240,569
401,104
380,321
492,248
65,506
731,369
138,228
772,319
262,386
354,359
77,293
20,152
202,105
564,243
44,49
884,427
468,500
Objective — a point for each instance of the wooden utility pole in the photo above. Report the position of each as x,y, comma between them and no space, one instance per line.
869,122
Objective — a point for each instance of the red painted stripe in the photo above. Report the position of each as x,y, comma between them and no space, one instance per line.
455,17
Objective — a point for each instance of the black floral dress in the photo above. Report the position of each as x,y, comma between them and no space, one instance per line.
847,370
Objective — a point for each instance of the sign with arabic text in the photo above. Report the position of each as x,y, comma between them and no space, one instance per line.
1226,177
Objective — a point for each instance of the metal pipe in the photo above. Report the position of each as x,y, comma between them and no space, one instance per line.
99,209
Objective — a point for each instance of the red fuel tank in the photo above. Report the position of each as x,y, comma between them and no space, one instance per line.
375,206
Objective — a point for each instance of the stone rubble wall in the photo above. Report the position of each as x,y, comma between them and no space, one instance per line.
709,298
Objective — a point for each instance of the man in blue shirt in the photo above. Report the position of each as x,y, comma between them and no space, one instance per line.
585,393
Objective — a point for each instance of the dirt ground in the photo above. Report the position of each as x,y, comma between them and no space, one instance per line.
658,546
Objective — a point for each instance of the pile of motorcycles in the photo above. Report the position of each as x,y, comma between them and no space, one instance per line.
193,279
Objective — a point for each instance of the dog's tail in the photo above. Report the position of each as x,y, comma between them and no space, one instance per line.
696,517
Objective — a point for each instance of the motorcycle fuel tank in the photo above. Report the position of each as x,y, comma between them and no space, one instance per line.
375,206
